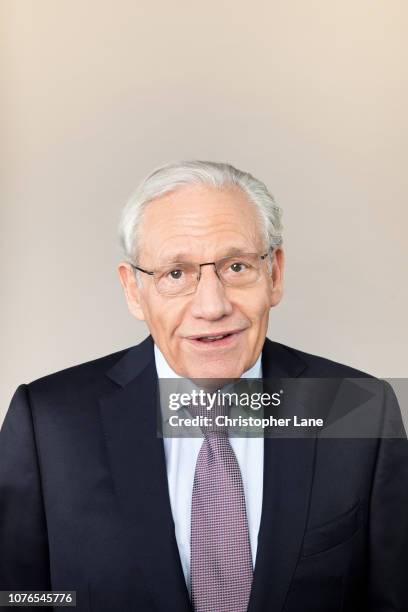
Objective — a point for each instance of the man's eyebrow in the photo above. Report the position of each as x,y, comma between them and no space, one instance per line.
176,257
185,257
238,251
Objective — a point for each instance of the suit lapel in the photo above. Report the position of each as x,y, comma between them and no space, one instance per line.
288,473
137,462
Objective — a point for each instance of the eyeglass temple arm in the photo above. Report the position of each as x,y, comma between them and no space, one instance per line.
141,270
269,252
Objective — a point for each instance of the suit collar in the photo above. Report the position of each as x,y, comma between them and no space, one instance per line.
132,363
279,361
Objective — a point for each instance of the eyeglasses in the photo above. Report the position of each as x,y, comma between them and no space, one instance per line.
242,270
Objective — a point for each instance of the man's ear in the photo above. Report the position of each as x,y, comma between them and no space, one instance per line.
131,289
278,264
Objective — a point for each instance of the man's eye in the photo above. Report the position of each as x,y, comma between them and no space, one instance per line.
238,266
175,274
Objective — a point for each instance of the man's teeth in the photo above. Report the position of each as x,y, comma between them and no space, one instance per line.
211,338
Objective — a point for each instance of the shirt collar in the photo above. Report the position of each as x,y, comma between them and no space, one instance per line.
164,371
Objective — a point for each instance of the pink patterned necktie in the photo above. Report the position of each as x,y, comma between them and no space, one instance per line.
221,562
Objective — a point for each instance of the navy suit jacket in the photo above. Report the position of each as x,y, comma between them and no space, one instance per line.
84,501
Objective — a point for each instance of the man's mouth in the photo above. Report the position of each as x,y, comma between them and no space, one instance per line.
212,338
217,339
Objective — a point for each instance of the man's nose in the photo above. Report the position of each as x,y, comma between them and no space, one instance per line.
210,300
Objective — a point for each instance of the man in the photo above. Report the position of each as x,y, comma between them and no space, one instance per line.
92,500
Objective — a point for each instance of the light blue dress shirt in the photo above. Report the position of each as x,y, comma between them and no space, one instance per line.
181,457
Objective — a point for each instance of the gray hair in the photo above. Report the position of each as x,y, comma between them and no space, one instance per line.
175,175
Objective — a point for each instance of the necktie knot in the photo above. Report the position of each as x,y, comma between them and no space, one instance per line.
213,410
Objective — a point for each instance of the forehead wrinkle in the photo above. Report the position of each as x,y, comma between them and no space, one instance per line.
171,223
199,226
196,221
188,246
187,203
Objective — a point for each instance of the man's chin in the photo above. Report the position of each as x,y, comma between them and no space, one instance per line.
212,372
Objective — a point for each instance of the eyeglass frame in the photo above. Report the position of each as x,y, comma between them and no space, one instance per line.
209,263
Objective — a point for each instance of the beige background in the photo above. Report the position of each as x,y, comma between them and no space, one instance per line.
309,95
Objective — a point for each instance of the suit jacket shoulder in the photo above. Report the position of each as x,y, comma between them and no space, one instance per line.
94,376
299,363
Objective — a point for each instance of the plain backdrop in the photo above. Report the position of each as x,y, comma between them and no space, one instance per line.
309,96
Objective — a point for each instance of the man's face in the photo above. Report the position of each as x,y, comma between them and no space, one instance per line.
202,224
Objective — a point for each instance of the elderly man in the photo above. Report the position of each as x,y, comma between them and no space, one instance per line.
92,500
